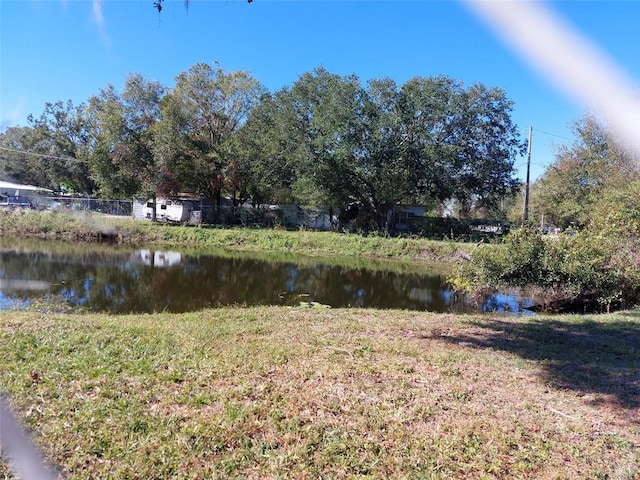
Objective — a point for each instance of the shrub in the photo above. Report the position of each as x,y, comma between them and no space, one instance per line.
583,265
518,262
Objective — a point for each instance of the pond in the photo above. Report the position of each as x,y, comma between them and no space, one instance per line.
109,278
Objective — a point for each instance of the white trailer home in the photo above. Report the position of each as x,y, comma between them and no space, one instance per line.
168,210
18,195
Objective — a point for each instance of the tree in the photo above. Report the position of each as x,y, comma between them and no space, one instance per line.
61,133
487,143
348,145
49,151
18,164
323,111
243,173
210,105
616,213
104,116
576,182
271,150
124,142
377,146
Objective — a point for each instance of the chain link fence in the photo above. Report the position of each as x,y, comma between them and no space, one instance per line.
203,212
108,207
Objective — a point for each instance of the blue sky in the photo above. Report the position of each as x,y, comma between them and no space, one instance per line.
54,50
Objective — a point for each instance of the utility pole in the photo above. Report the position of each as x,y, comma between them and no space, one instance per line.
525,213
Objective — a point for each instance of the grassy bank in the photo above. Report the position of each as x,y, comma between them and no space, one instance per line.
287,393
95,227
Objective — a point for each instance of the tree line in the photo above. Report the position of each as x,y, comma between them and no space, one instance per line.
326,140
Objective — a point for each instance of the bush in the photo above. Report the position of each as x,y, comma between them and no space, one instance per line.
583,266
518,262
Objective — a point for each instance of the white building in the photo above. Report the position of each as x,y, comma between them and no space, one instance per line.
20,195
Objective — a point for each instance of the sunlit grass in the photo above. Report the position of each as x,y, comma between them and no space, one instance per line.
94,227
299,393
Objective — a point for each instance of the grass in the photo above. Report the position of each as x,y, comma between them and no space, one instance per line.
303,393
95,227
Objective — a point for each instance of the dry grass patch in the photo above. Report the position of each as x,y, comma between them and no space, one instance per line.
288,393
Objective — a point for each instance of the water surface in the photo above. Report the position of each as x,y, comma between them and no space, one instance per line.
106,278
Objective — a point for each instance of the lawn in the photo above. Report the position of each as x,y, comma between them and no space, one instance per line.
302,393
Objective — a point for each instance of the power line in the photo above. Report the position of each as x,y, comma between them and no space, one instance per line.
43,155
553,135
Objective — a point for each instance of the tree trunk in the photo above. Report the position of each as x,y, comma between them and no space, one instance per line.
154,218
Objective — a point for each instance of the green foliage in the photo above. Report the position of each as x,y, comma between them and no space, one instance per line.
379,145
206,109
58,138
583,265
594,185
616,213
127,159
583,175
519,262
16,165
327,140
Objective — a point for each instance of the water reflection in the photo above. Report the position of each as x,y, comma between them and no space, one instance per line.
504,303
120,280
157,259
